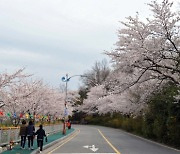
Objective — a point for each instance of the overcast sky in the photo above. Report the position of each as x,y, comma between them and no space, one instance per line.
53,37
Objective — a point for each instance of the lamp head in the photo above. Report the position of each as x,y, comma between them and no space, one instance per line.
63,78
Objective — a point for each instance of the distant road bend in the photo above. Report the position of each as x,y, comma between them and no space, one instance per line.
98,139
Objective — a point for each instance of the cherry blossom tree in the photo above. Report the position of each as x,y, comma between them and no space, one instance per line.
90,105
24,96
147,57
17,99
34,98
150,50
8,79
147,54
99,101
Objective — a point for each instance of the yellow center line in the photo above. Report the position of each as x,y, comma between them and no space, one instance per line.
109,142
65,141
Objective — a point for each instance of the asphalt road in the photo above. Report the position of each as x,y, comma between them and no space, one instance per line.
97,139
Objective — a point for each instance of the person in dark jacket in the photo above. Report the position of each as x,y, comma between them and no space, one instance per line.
23,134
30,134
40,137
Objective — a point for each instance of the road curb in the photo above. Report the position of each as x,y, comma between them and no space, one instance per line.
54,142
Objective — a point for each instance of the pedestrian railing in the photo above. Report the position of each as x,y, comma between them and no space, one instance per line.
12,133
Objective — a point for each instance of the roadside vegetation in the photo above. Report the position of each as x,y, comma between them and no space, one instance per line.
161,121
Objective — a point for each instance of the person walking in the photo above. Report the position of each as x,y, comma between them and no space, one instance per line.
30,134
23,134
69,124
40,137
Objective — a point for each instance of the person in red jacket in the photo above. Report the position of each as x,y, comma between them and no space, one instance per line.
69,124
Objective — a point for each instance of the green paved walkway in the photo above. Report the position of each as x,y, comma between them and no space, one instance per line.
51,138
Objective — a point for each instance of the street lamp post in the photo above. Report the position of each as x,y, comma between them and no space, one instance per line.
66,79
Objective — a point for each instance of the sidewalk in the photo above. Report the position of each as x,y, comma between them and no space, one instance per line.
51,138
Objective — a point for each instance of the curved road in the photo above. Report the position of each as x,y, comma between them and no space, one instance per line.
97,139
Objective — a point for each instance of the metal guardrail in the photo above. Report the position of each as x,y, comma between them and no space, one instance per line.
12,133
